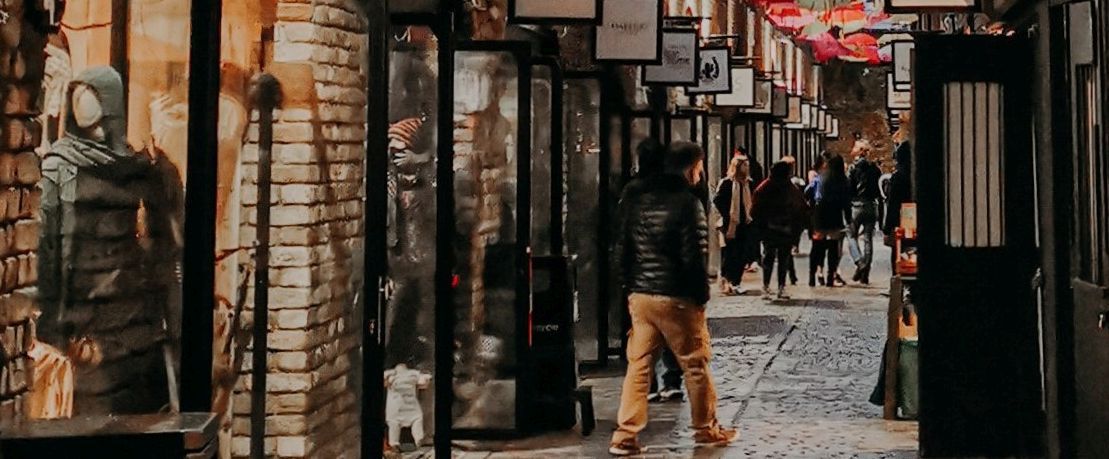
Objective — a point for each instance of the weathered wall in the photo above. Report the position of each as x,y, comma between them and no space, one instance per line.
856,94
21,71
317,234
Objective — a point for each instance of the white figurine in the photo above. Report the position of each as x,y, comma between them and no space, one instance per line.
402,405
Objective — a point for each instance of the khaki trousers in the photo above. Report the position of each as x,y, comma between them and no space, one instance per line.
657,321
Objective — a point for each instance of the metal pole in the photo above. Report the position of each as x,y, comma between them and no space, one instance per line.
265,95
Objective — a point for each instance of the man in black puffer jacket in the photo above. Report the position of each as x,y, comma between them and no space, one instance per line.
662,252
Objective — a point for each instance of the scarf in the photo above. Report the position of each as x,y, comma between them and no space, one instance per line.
740,206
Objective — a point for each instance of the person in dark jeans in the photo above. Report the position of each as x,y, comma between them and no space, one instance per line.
863,180
651,165
830,214
780,213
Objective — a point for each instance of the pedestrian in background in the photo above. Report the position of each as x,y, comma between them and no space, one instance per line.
863,181
780,213
831,215
663,247
818,251
734,198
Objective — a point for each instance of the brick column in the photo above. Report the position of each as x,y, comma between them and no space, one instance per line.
21,72
317,235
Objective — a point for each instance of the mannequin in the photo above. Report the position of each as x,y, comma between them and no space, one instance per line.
402,403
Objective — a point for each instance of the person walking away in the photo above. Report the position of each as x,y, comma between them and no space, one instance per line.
833,211
863,181
733,200
651,155
796,250
779,212
819,250
663,262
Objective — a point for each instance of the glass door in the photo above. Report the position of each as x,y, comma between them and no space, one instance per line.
490,285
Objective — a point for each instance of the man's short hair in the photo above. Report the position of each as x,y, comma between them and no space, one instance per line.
682,156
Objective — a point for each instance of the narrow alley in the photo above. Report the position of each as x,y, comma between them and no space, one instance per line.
793,376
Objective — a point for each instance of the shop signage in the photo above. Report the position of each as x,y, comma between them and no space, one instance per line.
896,99
806,115
907,6
630,32
779,102
554,12
680,60
745,90
713,75
821,119
415,6
835,129
793,111
903,63
827,124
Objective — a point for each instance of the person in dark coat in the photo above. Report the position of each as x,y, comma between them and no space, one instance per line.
733,200
900,190
831,215
863,178
652,156
780,212
662,253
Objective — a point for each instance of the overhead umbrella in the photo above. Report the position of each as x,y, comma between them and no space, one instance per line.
850,18
815,29
892,37
789,16
863,47
825,47
821,5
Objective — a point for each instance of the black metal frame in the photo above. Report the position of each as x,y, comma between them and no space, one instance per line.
521,51
441,10
199,259
604,228
696,59
658,41
726,70
754,82
668,126
514,18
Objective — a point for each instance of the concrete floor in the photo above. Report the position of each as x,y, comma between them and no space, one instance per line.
794,377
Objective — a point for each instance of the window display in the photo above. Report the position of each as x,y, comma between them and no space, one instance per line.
542,141
583,149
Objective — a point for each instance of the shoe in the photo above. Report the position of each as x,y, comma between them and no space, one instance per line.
782,293
737,291
671,394
625,448
820,279
767,293
858,274
654,397
812,281
716,436
839,281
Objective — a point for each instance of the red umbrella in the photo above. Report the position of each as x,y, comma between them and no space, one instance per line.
850,18
789,16
863,48
825,47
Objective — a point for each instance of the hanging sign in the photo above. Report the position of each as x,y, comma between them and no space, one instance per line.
744,89
554,12
779,102
903,62
835,129
713,74
793,112
630,32
679,60
896,99
908,6
415,6
821,119
806,115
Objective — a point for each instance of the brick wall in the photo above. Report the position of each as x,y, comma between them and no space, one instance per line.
21,71
316,235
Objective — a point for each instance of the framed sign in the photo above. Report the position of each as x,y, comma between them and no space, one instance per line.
910,6
713,74
835,129
679,60
554,12
630,32
821,119
896,99
779,102
415,7
903,62
793,110
806,115
743,93
827,124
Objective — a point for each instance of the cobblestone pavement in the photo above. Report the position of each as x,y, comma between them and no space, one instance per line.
794,377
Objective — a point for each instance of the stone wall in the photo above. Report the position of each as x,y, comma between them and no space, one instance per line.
313,400
856,94
21,70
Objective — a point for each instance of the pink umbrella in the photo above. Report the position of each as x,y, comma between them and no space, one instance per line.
825,47
850,18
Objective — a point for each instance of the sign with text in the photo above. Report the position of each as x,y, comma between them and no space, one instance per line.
743,93
679,60
630,32
713,76
553,11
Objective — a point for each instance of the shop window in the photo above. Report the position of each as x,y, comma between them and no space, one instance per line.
1090,175
973,134
583,154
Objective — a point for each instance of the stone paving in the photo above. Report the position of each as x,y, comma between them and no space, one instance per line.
794,377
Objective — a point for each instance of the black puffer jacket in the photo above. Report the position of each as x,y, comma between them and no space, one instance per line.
662,240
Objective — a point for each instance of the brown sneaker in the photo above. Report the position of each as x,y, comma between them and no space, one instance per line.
625,448
716,436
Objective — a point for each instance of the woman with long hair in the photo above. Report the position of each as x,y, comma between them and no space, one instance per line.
780,212
734,200
832,212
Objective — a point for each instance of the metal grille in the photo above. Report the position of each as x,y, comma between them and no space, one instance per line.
973,140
